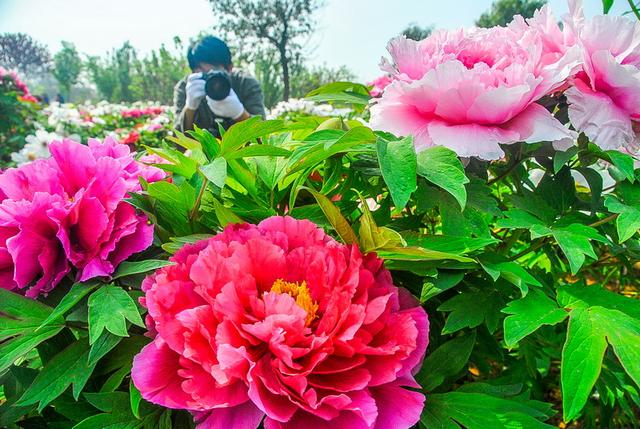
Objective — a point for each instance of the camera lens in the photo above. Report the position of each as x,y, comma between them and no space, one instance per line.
218,85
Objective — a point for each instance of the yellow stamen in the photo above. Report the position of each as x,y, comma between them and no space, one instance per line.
301,294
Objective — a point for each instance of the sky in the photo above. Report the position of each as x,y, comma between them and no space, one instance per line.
350,32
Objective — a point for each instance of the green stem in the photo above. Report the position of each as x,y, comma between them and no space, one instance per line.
506,172
196,206
605,220
535,246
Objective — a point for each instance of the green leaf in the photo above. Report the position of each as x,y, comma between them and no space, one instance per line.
398,164
442,167
574,240
480,411
470,309
340,97
258,150
135,398
138,267
245,131
342,92
623,333
373,237
449,243
69,367
103,345
497,266
17,306
606,6
224,214
333,143
339,223
271,170
109,308
577,295
560,158
445,281
20,319
216,171
535,205
183,197
581,361
446,361
419,254
178,242
623,162
528,314
516,218
628,221
180,164
209,144
594,179
117,412
70,299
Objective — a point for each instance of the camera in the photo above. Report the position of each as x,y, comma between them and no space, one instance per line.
218,84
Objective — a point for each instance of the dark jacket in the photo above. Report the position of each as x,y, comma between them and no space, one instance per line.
246,87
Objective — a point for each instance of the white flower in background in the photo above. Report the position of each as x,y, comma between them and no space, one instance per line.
37,147
306,107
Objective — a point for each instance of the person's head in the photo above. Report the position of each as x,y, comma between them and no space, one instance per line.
209,53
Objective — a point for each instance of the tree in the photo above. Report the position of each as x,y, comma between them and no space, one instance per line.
416,32
103,76
124,59
19,51
503,11
280,24
68,66
155,75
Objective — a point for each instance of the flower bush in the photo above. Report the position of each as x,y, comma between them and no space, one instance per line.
286,269
17,109
137,125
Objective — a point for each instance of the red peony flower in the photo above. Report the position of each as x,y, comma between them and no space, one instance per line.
279,321
131,138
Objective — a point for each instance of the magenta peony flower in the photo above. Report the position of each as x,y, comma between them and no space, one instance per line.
67,211
279,321
604,102
472,90
30,252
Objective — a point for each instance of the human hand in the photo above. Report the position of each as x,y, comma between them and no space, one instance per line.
195,90
230,107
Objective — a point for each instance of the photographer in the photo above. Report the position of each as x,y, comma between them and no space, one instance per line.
196,100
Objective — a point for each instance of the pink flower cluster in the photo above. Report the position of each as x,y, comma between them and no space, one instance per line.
474,90
280,322
18,83
68,211
147,111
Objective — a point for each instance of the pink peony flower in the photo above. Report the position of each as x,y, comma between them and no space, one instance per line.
604,101
472,90
67,211
379,84
281,322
